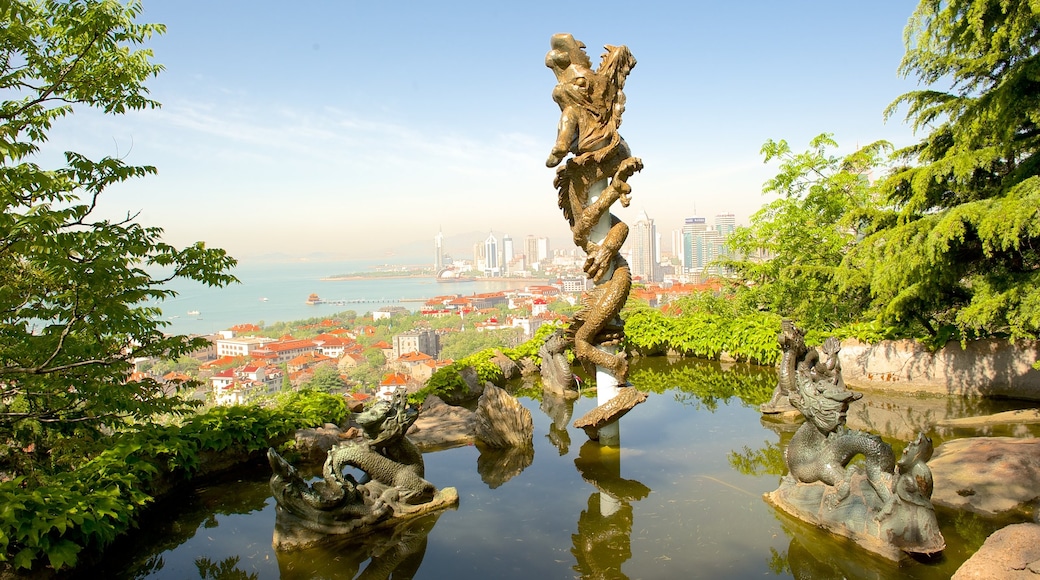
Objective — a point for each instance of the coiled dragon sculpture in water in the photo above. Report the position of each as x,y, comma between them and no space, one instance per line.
391,488
591,104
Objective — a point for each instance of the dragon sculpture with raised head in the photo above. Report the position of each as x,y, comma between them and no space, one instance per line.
591,104
392,484
882,505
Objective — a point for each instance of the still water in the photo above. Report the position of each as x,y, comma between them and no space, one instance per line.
681,498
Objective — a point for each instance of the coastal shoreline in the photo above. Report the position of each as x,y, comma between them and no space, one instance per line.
533,281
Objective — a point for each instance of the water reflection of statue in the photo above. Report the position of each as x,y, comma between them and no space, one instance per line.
603,541
559,409
591,104
395,552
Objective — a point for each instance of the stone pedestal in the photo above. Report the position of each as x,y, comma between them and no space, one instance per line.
857,517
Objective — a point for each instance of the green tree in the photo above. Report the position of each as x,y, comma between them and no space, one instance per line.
789,257
77,304
958,254
325,379
369,372
461,344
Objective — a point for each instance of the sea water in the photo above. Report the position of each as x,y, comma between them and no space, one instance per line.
277,292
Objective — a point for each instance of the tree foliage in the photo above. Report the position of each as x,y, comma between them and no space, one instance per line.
326,379
790,254
958,253
78,302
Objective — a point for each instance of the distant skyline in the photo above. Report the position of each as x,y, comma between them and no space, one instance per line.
353,130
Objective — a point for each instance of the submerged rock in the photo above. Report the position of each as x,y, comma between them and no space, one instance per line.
442,425
1009,553
987,475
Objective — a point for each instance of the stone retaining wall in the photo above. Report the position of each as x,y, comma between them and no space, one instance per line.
992,368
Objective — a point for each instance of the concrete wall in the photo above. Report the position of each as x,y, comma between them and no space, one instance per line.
992,368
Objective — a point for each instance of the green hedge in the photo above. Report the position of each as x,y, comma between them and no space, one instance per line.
51,523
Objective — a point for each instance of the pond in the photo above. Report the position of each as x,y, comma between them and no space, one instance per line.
681,497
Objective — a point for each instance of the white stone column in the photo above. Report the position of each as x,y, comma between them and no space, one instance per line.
606,383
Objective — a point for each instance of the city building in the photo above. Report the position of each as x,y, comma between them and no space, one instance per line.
240,346
507,253
643,244
422,340
438,258
491,263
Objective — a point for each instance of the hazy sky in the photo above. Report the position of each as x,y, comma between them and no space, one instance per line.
355,128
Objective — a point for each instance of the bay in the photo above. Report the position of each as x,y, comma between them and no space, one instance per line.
277,292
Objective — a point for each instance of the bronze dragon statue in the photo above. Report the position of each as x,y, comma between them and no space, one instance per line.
392,484
793,350
823,446
591,104
883,506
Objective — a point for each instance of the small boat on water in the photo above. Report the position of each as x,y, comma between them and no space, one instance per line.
263,299
193,313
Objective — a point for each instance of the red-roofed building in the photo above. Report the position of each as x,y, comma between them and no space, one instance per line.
237,386
409,361
333,346
175,377
308,361
351,359
390,383
386,347
284,351
243,328
545,291
222,361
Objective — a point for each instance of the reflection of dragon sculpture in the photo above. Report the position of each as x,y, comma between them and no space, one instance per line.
822,447
591,104
392,485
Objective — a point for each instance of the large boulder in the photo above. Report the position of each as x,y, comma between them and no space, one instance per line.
510,370
313,444
1010,553
502,421
441,425
472,388
986,475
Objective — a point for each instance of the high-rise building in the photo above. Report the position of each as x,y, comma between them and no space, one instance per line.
479,260
543,249
644,248
725,224
438,259
531,250
507,252
491,264
693,243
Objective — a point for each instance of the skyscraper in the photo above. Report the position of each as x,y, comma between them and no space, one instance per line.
531,250
491,264
693,244
644,248
438,259
507,252
543,249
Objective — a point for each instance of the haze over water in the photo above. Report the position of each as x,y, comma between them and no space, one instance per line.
286,287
